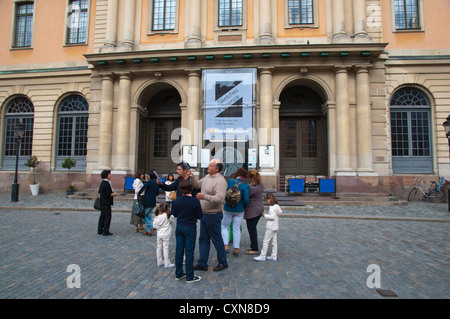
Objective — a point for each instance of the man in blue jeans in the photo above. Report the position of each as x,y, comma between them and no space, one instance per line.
212,197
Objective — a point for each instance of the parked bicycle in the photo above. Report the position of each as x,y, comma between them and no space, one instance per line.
434,193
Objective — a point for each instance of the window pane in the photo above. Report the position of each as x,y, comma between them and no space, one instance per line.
309,138
406,14
300,12
288,138
164,14
20,109
161,139
230,13
24,25
73,125
77,21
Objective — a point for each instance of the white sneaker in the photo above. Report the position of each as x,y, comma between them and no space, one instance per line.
259,258
159,265
272,258
169,266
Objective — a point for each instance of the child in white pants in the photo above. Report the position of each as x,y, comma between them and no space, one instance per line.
271,228
162,223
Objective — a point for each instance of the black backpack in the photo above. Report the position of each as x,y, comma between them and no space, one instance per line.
233,195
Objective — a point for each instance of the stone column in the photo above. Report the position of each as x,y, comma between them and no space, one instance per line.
359,18
122,128
363,121
194,40
105,130
343,147
129,21
265,26
193,103
339,32
266,102
111,24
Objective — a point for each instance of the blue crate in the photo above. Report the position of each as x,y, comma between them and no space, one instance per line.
297,185
326,185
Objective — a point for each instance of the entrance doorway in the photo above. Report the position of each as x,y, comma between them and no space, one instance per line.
157,149
303,133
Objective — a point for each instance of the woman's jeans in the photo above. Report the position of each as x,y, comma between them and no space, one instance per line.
148,218
236,219
251,227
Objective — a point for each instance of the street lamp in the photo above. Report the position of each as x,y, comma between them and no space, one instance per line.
446,125
19,130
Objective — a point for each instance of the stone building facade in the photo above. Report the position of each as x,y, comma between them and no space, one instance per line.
355,90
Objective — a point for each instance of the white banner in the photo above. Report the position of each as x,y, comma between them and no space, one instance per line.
228,101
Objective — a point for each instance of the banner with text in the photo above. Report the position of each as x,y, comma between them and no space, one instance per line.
229,97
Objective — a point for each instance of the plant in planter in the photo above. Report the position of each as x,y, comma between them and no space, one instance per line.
32,162
70,189
68,164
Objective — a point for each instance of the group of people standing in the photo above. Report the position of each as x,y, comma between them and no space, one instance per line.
204,200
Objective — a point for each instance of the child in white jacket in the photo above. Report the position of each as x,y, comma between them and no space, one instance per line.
162,223
271,228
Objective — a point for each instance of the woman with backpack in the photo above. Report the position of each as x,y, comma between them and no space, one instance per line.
236,199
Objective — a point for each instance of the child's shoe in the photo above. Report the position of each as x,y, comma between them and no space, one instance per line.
272,258
183,275
194,279
169,266
259,258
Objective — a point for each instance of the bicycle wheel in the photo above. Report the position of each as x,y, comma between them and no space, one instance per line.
435,196
412,194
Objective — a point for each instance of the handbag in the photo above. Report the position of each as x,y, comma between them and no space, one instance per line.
172,195
97,203
139,209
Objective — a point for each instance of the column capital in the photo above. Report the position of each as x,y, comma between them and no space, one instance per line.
125,75
266,69
193,71
107,76
342,67
363,67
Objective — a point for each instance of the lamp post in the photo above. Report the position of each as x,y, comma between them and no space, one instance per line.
19,130
446,125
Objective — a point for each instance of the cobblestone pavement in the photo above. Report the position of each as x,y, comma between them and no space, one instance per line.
326,256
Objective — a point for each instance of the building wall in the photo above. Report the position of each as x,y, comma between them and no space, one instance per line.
49,70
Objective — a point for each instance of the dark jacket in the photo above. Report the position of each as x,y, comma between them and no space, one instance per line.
175,186
151,191
255,207
187,210
105,191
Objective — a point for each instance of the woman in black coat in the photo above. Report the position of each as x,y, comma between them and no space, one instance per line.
106,201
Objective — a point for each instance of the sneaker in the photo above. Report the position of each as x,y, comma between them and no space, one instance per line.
160,265
194,279
169,266
272,258
183,275
259,258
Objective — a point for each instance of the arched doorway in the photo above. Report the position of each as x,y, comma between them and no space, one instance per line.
303,132
155,134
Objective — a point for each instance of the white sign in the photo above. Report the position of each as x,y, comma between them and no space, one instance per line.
266,156
228,101
190,155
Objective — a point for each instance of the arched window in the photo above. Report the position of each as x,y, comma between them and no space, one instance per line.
411,132
72,131
20,109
